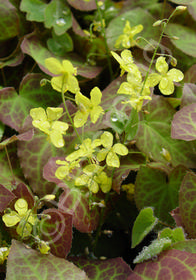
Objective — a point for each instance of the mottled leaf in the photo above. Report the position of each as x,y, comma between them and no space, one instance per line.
184,123
135,17
8,16
189,95
84,219
187,204
113,269
190,74
15,108
154,135
153,188
192,9
6,197
57,230
143,224
7,178
33,155
33,47
186,245
26,136
25,263
187,40
170,265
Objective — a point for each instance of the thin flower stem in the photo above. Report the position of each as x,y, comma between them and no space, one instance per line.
155,51
10,165
65,106
105,40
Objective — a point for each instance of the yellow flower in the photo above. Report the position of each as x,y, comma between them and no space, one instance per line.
127,38
88,107
126,62
43,247
166,78
133,88
66,168
65,79
110,152
94,177
47,122
22,215
4,252
86,149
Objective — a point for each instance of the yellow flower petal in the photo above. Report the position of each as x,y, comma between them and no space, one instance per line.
21,206
53,65
54,113
11,219
96,96
112,159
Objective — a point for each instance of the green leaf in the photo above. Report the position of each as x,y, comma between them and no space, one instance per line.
58,15
132,125
2,128
14,108
32,46
135,17
60,45
118,120
187,39
143,224
155,248
30,260
154,134
157,189
184,123
34,9
9,21
175,235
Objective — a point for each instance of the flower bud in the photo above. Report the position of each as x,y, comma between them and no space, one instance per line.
181,8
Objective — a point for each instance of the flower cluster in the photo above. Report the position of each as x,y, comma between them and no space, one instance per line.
22,216
134,88
164,78
49,124
127,38
94,176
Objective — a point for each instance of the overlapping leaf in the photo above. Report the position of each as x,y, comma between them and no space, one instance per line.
154,135
170,265
113,269
83,5
33,47
152,189
135,17
57,230
186,38
85,218
187,203
189,95
8,15
33,156
184,123
15,108
25,263
6,197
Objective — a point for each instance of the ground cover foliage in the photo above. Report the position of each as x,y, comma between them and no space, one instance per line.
98,130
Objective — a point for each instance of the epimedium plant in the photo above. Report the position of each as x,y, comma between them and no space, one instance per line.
104,149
